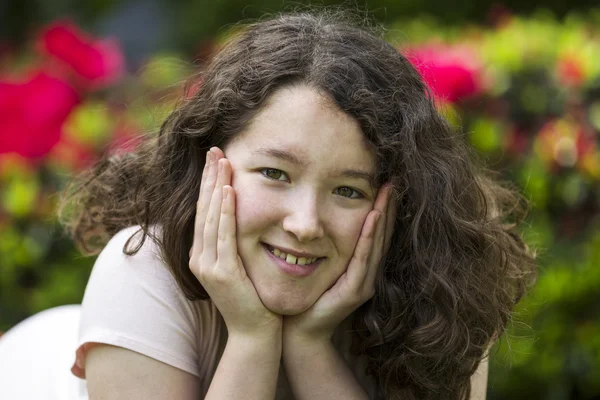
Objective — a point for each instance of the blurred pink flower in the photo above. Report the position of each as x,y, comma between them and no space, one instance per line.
97,61
452,73
32,114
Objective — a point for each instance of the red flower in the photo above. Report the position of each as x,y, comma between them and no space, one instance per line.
32,114
570,71
452,74
97,61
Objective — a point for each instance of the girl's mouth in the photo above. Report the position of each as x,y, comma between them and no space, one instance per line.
298,266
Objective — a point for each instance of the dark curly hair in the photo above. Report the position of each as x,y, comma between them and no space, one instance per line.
456,267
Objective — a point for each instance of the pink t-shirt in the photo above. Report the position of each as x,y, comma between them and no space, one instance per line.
134,302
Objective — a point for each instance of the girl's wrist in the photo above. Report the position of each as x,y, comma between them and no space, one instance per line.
268,341
301,341
268,332
298,350
294,333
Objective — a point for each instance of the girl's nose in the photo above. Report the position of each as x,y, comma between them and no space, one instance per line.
303,219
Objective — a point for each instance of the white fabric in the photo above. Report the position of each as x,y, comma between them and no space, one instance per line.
36,357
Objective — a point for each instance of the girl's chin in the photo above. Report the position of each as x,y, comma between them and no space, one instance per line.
284,305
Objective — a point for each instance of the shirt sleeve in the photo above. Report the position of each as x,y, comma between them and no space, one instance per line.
134,302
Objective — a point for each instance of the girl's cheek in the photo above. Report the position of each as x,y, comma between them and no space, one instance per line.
253,205
348,226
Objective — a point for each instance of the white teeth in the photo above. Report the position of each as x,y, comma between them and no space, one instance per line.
290,259
276,252
302,261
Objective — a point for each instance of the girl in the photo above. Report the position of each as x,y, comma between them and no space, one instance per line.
306,225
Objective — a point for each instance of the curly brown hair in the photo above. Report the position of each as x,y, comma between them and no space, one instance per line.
456,267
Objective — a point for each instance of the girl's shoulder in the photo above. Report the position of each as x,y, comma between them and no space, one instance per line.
132,237
133,301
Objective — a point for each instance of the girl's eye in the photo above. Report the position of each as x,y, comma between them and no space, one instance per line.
349,192
274,174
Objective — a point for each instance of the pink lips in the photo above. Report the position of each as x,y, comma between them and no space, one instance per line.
293,269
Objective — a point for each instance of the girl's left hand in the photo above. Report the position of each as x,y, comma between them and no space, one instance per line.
357,284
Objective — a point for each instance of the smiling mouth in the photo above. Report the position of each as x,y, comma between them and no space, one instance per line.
291,259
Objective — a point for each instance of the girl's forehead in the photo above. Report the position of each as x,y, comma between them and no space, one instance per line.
302,124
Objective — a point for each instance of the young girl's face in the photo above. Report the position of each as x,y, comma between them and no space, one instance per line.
301,177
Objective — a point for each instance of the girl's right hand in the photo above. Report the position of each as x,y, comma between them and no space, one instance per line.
214,259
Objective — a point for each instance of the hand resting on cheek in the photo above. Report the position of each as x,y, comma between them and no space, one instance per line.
214,258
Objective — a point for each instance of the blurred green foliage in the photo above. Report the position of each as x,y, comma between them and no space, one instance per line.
535,118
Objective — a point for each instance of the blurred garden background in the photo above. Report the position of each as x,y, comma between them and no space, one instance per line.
521,79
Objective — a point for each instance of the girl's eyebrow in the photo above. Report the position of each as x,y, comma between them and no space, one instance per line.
280,154
355,174
293,159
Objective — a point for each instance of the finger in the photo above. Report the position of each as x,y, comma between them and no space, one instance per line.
217,152
382,198
205,170
211,225
209,177
227,244
207,185
381,205
377,251
202,186
383,237
357,268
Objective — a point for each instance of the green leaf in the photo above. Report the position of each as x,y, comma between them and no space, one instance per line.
486,135
19,196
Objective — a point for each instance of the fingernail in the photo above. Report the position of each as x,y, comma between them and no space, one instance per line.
210,157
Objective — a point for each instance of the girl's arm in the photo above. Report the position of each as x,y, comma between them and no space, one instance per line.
117,373
317,371
248,368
